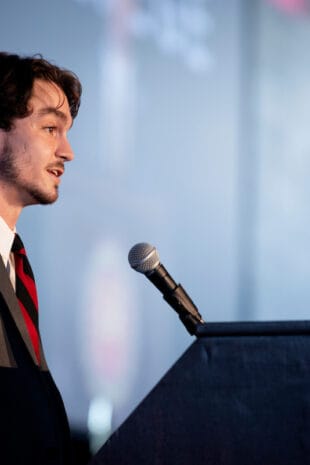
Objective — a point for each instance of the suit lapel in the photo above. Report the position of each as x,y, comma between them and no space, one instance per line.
7,359
10,298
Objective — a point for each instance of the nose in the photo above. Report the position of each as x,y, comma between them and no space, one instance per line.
64,150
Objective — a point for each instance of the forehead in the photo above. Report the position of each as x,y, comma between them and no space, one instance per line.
47,95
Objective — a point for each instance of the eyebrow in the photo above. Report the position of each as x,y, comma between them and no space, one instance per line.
54,111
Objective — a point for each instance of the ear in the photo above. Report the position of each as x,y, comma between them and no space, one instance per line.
3,139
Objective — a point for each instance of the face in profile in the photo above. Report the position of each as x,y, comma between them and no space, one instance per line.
34,152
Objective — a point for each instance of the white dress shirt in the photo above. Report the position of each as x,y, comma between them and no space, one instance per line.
6,242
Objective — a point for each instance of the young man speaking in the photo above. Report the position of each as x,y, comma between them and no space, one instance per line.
38,103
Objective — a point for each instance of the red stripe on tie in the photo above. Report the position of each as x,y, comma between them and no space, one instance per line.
27,281
32,331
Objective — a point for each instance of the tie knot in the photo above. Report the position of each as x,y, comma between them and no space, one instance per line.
18,246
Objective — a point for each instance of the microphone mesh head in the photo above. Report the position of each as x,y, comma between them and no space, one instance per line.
143,258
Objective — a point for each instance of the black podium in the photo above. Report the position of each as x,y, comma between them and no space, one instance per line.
240,395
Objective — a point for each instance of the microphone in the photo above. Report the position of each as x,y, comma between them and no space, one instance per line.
144,258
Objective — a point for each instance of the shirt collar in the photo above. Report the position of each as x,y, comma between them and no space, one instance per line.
6,240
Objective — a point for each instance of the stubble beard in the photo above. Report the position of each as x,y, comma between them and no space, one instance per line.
10,173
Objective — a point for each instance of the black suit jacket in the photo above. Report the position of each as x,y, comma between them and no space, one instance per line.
33,424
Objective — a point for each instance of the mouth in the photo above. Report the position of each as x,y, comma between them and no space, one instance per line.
56,172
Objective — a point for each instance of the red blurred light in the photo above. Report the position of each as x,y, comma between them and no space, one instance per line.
291,6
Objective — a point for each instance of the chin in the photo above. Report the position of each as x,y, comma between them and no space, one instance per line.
42,198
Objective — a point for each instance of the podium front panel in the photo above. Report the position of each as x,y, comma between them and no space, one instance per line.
240,395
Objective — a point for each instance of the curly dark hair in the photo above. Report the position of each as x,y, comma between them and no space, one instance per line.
17,75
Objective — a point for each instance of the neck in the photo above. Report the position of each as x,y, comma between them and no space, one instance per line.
10,209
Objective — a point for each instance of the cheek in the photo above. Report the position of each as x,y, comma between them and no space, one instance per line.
19,148
24,148
33,153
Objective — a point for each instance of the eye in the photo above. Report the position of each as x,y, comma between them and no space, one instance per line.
50,129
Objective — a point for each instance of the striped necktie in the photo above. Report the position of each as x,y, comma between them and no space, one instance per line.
26,293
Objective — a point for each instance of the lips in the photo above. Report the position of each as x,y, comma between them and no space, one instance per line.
56,171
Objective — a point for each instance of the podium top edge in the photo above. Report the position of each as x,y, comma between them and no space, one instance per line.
251,328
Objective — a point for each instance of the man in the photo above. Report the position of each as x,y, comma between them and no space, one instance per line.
38,103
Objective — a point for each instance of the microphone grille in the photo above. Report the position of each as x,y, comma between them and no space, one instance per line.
143,258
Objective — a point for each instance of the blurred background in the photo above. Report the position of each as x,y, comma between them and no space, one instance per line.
193,135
